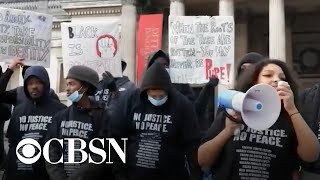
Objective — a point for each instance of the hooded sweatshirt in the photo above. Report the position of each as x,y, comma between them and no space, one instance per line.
85,124
251,58
159,137
309,107
17,95
103,94
5,112
124,84
31,119
184,89
201,102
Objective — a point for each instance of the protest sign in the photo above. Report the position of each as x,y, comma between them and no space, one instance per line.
95,45
25,34
201,47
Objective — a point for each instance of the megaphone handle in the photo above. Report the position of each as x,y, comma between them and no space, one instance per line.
231,117
237,131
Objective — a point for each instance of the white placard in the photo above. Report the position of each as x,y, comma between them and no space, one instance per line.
25,34
95,45
201,47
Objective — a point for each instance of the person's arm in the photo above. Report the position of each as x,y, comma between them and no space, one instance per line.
5,78
202,101
55,171
308,144
117,129
218,135
5,112
186,90
9,97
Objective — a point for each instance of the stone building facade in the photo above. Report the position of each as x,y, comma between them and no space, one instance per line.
282,29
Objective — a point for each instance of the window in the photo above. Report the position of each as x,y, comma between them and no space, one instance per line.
306,45
61,80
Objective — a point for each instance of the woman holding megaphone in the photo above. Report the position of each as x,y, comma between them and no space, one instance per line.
235,151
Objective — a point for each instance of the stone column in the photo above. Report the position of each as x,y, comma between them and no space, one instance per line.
43,6
128,37
177,8
290,19
277,30
226,7
289,48
241,34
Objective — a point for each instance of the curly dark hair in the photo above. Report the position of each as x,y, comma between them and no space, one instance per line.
249,77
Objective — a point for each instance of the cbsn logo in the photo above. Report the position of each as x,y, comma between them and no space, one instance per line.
29,149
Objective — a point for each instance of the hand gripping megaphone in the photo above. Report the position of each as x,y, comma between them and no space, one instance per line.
260,106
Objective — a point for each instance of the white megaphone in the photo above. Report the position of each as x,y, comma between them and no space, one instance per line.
260,106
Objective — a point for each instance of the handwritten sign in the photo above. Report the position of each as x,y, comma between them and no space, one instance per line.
201,47
95,45
25,34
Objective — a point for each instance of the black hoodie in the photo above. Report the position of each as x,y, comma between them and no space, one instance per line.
122,85
85,124
160,137
5,112
17,95
309,107
251,58
184,89
31,119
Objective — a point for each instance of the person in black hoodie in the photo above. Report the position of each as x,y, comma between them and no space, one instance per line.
309,106
92,121
123,83
5,113
162,128
31,119
17,95
201,101
163,58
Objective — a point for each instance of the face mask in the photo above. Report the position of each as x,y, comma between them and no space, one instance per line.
75,96
157,102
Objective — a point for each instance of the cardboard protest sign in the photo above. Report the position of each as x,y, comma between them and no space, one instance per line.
201,47
95,45
25,34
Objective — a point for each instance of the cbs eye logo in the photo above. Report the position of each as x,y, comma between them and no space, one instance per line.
28,151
